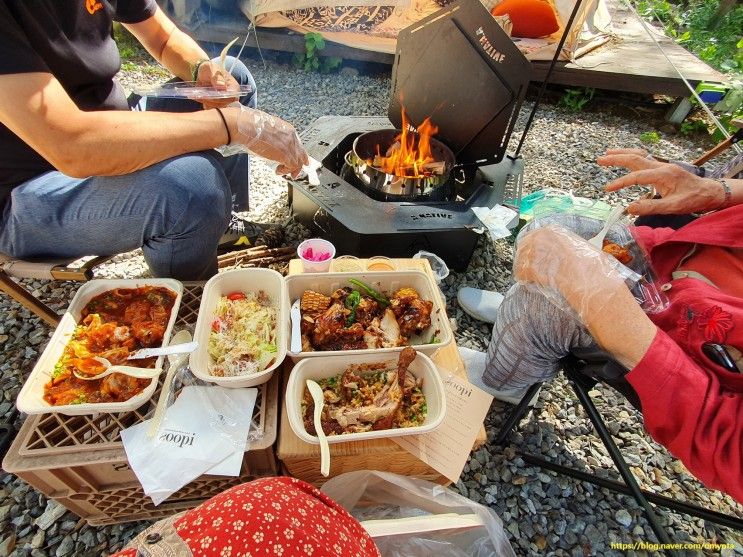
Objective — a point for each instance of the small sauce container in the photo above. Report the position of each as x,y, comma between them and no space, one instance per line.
347,264
380,263
316,255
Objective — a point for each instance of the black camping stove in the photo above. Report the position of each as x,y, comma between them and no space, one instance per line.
459,68
357,224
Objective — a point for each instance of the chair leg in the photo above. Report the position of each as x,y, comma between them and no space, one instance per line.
517,414
24,297
619,462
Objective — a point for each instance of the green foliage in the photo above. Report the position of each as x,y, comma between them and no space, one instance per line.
719,43
650,137
129,48
575,100
311,60
690,127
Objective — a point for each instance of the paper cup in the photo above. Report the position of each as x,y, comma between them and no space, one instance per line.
309,250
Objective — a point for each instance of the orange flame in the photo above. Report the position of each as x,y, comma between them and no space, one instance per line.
410,152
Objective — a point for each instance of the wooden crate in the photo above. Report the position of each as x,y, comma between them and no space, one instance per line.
79,461
302,460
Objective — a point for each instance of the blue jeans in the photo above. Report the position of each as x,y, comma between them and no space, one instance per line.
175,210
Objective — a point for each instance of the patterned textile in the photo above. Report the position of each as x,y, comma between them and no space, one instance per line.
279,516
341,18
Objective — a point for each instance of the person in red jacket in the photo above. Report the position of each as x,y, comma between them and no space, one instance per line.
570,295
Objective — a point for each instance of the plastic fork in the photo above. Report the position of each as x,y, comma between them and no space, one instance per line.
598,240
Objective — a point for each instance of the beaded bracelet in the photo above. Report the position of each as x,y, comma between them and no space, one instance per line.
728,193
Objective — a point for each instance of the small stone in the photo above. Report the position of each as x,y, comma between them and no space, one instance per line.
4,512
66,547
7,545
518,480
544,478
52,513
623,517
560,526
38,540
513,528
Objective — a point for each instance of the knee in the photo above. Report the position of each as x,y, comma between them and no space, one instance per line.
197,186
242,75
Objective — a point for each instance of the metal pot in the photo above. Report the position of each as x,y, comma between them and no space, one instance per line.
365,148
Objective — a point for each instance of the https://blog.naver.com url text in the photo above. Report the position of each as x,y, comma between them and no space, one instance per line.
652,546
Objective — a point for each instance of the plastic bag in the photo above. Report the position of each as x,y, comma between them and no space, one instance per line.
551,201
637,274
372,495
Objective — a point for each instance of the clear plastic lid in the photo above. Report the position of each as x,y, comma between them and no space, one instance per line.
190,90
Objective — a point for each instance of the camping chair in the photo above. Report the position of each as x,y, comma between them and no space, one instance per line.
45,270
582,369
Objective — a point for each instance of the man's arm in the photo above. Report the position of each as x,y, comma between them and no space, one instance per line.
37,109
170,46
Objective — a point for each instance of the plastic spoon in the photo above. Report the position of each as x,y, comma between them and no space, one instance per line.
131,371
175,361
598,240
319,400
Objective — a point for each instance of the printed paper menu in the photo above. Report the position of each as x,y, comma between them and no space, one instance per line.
447,448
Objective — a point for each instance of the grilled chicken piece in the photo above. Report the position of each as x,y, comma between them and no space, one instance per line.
366,311
330,328
340,295
384,333
413,313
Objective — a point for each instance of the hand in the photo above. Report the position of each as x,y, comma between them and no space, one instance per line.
211,74
557,260
681,191
271,138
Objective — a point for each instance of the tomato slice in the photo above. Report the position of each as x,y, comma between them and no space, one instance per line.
216,326
236,296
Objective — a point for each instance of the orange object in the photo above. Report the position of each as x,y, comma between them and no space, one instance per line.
530,18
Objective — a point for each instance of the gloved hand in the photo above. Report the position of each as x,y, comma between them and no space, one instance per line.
566,268
272,138
212,74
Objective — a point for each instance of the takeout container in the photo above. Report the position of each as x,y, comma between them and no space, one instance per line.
329,366
31,398
239,280
387,282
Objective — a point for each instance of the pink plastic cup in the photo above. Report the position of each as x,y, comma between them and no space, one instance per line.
316,255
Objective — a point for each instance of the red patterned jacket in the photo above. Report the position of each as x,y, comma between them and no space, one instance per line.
691,405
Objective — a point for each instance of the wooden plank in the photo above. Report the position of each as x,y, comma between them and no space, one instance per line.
303,460
632,62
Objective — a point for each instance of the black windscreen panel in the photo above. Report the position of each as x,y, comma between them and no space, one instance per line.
459,67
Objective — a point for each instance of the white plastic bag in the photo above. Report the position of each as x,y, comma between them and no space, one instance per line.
373,496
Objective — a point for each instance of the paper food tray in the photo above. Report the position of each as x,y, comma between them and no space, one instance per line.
31,398
328,366
190,90
388,282
239,280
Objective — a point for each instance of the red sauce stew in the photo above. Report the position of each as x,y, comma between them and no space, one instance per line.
113,325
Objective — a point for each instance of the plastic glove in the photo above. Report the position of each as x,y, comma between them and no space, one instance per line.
681,191
211,74
566,268
272,138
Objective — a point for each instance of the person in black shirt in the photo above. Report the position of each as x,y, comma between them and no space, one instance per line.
81,173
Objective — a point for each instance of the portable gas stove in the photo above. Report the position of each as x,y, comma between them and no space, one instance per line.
458,67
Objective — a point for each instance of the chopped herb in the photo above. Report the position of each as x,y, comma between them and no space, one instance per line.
80,399
434,339
352,302
58,369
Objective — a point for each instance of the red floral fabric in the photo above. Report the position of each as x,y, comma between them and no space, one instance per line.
277,517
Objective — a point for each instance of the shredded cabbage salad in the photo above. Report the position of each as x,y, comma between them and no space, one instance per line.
243,336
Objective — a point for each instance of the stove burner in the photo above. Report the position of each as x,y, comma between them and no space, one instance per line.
341,210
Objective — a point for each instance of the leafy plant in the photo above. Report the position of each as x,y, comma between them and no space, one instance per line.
311,60
575,100
650,137
690,127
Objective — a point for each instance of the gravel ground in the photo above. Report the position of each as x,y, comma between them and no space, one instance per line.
543,513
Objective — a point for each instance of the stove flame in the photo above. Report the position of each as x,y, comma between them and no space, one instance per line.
410,155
